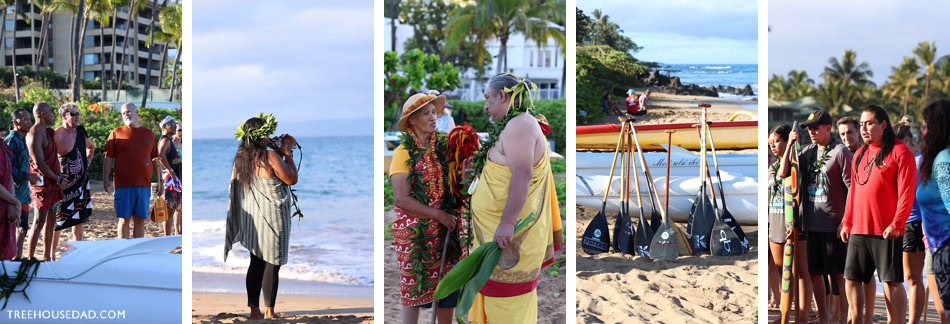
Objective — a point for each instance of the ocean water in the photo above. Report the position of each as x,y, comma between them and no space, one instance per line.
736,75
332,245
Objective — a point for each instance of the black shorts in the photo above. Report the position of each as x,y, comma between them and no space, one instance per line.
867,253
913,237
826,253
450,301
941,266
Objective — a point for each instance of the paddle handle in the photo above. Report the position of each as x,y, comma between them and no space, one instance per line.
636,177
712,145
445,249
654,194
669,150
613,165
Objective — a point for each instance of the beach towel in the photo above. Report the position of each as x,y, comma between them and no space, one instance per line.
510,295
259,218
76,206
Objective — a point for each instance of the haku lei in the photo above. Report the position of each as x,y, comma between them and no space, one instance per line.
268,128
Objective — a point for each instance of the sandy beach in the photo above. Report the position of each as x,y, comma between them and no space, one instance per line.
693,289
666,108
101,226
551,290
230,308
880,313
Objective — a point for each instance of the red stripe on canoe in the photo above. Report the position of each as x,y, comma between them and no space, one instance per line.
614,128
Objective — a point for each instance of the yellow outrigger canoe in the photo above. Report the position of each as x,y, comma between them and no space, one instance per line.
730,135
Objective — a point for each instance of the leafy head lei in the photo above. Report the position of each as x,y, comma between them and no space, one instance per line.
520,100
268,128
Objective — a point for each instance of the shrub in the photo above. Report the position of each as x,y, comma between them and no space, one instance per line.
602,69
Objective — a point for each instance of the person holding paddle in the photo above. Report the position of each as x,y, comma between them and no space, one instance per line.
880,200
826,164
420,200
513,179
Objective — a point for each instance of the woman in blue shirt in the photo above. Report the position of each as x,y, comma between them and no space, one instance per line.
933,197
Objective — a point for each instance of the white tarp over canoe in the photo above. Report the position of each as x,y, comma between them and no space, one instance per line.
137,277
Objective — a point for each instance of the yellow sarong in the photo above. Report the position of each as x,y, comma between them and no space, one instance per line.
510,296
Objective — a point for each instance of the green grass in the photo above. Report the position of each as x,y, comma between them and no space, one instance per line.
559,166
554,270
388,193
388,232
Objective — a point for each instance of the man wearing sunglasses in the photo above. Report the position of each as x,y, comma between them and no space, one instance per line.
75,151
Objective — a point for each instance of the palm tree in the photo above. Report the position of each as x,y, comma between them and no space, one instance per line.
903,82
847,71
170,22
46,13
148,64
499,19
833,96
926,52
99,10
5,4
942,74
130,24
801,85
778,88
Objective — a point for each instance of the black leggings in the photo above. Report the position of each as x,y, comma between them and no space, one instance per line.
261,275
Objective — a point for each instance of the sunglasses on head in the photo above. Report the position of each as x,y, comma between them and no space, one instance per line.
74,113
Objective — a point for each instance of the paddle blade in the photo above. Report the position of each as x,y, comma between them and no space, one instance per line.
655,221
723,241
701,218
734,225
596,237
664,245
623,234
643,237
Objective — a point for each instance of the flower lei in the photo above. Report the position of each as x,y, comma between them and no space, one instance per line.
521,92
819,163
418,190
269,127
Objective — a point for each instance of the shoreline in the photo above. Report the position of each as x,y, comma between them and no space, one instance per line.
665,108
229,283
231,308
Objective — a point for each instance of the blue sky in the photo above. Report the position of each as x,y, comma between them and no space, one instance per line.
805,34
686,31
302,60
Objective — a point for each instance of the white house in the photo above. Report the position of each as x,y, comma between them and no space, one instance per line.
542,65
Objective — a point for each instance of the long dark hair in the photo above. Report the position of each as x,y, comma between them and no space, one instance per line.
937,117
251,154
887,140
782,131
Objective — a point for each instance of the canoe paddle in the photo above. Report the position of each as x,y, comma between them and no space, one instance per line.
723,240
596,238
644,234
726,215
701,215
623,229
792,200
664,243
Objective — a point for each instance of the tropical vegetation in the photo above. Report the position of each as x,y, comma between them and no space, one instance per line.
920,77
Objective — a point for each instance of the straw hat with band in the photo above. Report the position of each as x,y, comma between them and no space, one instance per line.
413,104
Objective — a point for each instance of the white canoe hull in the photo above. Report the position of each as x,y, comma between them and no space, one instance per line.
739,176
128,281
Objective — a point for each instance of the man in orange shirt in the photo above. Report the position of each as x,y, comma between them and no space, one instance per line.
132,149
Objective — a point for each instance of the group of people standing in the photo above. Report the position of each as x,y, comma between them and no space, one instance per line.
48,169
510,178
874,203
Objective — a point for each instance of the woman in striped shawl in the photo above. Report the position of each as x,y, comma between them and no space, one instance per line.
259,210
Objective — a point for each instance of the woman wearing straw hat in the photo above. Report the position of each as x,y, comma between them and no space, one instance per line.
259,210
420,201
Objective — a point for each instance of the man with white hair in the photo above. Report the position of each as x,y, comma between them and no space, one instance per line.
75,150
132,150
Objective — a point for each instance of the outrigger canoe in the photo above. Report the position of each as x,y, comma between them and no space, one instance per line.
739,175
729,135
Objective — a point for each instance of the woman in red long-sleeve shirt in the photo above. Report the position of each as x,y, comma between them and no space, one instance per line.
880,200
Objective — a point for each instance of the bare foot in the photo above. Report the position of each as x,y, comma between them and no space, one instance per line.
256,313
272,315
